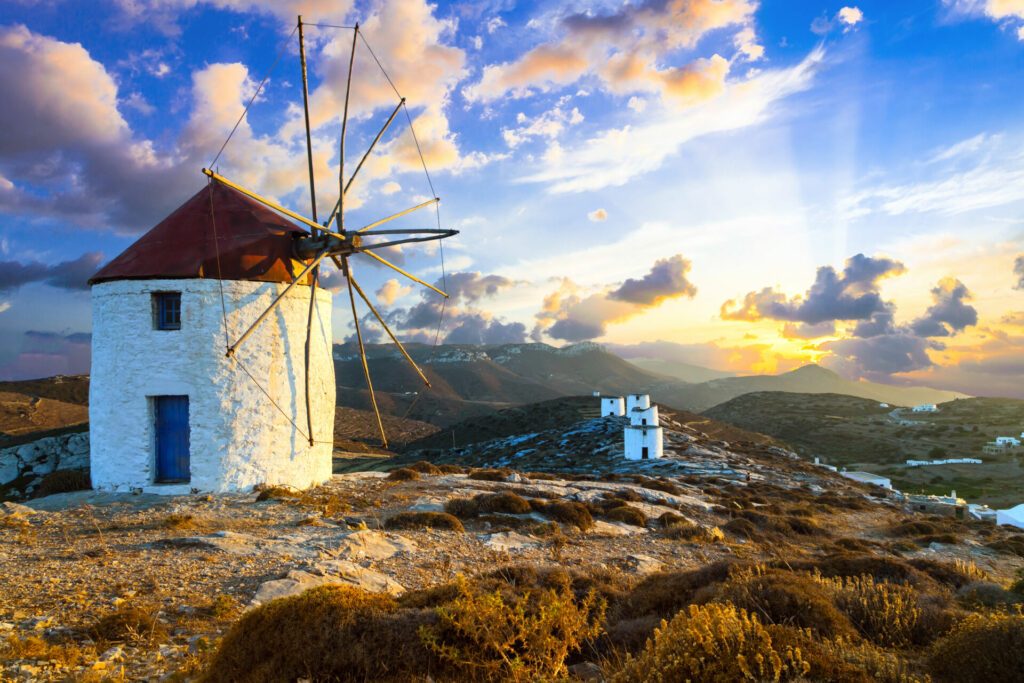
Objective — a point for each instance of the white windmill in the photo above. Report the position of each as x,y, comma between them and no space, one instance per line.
212,367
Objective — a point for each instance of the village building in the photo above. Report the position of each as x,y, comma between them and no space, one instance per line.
1011,516
868,478
926,408
612,406
947,506
946,461
169,410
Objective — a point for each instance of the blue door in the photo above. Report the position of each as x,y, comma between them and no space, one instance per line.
172,458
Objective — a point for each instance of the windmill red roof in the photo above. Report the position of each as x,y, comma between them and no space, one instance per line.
254,242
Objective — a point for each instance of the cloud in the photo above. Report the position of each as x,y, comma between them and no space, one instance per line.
615,156
391,291
164,15
806,331
851,295
667,279
1008,13
624,51
1018,271
847,17
72,274
949,314
44,354
476,329
597,215
877,358
572,314
981,172
549,124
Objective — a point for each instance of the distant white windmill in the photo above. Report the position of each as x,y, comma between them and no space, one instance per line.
212,367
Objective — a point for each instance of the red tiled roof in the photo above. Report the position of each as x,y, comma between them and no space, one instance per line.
254,242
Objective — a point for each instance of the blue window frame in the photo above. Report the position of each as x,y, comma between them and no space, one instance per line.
167,310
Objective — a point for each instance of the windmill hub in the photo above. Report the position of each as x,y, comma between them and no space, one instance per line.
341,244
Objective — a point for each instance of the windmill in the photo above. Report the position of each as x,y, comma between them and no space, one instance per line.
172,410
333,241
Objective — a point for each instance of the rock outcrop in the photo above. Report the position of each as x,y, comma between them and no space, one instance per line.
23,467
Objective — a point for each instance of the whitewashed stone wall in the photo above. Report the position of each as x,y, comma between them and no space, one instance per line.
238,438
639,437
612,405
642,401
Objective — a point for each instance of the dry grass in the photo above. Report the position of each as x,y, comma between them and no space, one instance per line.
63,481
983,648
136,624
38,648
277,493
424,520
424,467
565,512
626,514
403,474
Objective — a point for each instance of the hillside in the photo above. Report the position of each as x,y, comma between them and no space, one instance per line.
34,409
693,374
857,433
809,379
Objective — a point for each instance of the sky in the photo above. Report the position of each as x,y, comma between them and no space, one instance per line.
764,185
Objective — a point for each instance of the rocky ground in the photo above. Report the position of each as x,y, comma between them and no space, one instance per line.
137,587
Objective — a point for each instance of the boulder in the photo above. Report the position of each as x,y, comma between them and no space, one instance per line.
509,541
369,544
331,573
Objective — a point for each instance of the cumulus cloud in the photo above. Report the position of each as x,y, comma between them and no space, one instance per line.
625,51
165,15
1009,13
572,314
847,18
878,358
477,329
391,291
597,215
72,274
1018,271
850,295
549,124
948,314
850,16
667,279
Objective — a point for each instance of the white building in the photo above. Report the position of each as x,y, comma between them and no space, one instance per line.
883,405
637,401
169,411
1008,441
1012,517
868,478
644,436
926,408
612,406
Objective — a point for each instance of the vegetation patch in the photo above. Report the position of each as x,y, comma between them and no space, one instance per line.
983,648
403,474
63,481
424,520
626,514
564,511
424,467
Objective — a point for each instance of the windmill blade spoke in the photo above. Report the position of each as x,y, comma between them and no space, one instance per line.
395,268
415,231
339,207
309,336
387,329
263,316
313,225
391,243
362,356
392,217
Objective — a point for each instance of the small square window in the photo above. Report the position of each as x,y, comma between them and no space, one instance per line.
167,310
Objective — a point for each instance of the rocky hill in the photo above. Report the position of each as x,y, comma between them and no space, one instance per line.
423,573
859,434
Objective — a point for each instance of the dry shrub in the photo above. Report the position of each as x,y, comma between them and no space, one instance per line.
663,485
424,520
63,481
743,528
223,606
986,594
451,469
276,493
179,521
466,508
129,623
803,526
506,502
1011,545
686,530
525,637
670,519
712,643
38,648
542,476
981,649
663,594
859,662
626,514
424,467
878,567
501,474
564,511
884,613
403,474
338,633
787,599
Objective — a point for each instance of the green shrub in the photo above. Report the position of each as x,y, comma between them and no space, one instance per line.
981,649
424,520
712,643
